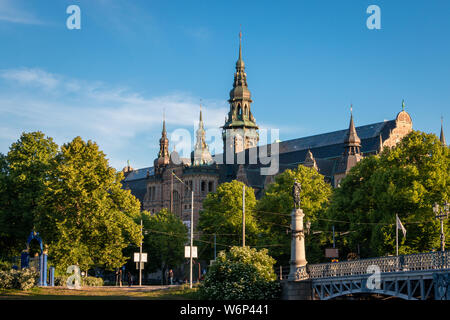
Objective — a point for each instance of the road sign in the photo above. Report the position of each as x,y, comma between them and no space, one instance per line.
136,257
187,252
332,253
137,266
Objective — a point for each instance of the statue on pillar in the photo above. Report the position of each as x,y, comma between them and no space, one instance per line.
298,257
296,189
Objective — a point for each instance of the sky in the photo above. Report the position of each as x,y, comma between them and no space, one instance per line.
131,62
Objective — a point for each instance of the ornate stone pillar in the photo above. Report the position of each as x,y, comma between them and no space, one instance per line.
298,256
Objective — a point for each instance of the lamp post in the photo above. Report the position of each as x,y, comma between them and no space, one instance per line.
441,213
191,227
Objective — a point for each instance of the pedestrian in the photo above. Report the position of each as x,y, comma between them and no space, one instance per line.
171,276
117,277
130,279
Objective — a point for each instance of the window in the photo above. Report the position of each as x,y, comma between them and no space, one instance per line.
203,189
211,186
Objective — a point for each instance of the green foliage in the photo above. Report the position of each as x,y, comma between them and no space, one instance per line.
241,274
406,180
92,281
277,198
61,281
222,215
24,279
164,241
23,175
5,265
86,218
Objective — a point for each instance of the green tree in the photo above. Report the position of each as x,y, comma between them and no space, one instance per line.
405,180
86,218
23,175
242,273
164,240
276,205
222,215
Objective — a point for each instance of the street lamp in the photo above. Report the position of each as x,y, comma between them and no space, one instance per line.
441,213
192,227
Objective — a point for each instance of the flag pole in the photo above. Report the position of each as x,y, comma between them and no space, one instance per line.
396,233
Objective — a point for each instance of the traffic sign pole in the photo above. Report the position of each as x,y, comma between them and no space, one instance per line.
140,259
192,234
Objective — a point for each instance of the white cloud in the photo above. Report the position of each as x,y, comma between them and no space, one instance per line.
35,77
11,12
125,124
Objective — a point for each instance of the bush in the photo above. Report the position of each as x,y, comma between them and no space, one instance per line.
61,281
6,280
5,265
24,279
241,274
92,281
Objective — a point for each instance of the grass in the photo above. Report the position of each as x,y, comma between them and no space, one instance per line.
103,293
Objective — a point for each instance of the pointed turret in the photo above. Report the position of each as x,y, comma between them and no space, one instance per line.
352,141
352,152
163,155
380,146
201,154
442,137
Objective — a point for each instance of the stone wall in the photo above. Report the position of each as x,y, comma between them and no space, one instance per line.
296,290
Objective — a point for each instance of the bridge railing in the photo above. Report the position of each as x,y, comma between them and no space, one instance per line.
413,262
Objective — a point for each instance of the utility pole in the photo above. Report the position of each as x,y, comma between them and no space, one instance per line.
334,243
171,192
396,234
243,215
192,227
192,238
140,258
215,247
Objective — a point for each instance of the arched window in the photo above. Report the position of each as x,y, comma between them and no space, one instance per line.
239,112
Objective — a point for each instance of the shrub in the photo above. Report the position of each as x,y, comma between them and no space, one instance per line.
92,281
6,280
5,265
241,274
24,279
61,281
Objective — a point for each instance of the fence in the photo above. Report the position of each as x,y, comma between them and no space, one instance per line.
414,262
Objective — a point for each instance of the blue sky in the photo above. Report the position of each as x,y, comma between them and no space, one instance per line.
306,62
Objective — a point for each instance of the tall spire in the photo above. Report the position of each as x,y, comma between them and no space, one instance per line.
163,154
442,138
240,131
352,152
164,133
352,141
380,148
201,154
240,62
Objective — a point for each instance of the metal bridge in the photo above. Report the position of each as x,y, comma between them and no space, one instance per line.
411,277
